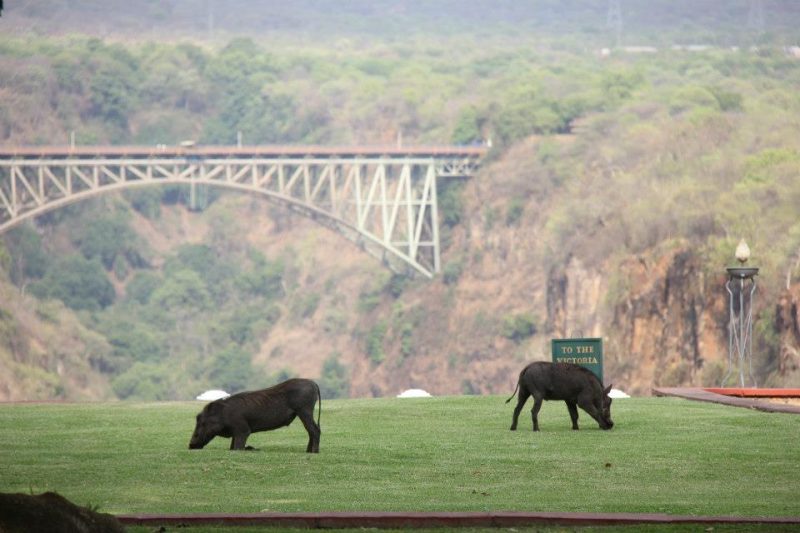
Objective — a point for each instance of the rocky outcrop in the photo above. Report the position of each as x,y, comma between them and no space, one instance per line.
574,298
787,329
668,320
662,320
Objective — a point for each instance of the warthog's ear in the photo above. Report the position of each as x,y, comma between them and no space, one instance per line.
607,390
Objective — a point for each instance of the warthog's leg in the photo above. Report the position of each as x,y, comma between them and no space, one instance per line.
573,413
239,439
537,404
313,429
521,399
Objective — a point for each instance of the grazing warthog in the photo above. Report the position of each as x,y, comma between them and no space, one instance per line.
574,384
237,416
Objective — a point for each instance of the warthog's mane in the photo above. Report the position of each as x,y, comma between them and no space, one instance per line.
586,371
253,398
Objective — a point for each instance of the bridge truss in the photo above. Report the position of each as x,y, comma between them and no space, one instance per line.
385,204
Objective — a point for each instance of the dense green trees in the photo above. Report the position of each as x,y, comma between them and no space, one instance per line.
206,309
26,258
78,282
183,319
109,238
231,369
162,94
112,90
518,327
334,381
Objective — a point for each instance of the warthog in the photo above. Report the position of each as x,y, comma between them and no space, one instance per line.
52,513
574,384
237,416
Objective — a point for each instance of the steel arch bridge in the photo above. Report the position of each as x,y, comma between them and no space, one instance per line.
382,198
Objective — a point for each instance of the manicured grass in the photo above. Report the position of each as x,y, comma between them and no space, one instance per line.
665,455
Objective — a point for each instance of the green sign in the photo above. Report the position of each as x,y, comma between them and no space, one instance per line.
584,352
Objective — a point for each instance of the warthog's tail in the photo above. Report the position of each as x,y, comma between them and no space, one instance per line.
515,393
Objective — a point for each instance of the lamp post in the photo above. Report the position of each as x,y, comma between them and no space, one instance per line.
741,285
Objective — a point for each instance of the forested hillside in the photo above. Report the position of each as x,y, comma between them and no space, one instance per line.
616,189
575,23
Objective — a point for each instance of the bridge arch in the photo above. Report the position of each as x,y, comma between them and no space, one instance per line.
385,203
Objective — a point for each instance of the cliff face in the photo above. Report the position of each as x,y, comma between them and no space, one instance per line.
670,321
787,328
662,318
663,322
662,315
574,300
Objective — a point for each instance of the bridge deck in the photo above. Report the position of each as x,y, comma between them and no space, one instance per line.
144,152
381,197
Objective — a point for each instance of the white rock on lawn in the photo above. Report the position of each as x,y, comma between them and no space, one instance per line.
213,394
414,393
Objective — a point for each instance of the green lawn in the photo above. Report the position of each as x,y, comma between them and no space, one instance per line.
664,455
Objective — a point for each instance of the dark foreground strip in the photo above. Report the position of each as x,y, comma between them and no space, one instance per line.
339,520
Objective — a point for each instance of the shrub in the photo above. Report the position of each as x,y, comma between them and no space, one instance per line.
110,238
397,284
467,128
515,210
335,381
146,201
231,369
452,272
141,286
375,342
450,202
407,339
78,282
305,305
518,327
182,289
142,381
727,100
25,256
469,388
370,295
264,279
133,341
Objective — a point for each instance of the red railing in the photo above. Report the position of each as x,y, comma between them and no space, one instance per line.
26,152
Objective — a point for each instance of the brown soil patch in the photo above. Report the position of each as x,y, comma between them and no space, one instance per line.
782,401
